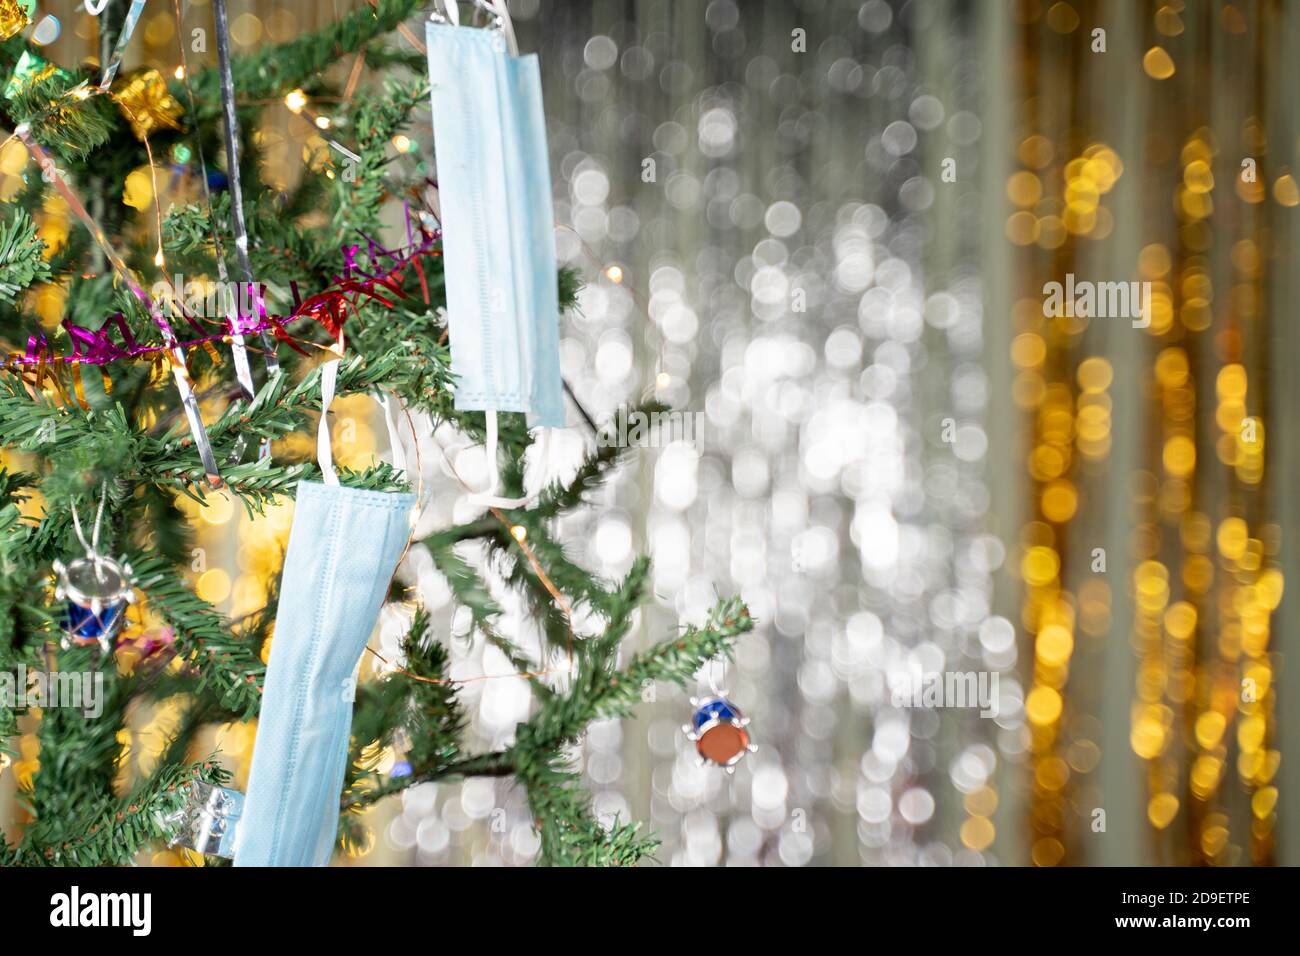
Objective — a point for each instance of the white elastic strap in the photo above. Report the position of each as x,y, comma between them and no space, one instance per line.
391,405
449,10
489,497
324,457
507,25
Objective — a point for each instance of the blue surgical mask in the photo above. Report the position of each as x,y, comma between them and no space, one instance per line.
494,186
344,546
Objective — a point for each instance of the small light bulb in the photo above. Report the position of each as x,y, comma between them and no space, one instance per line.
295,100
323,122
180,73
663,380
519,532
158,258
614,274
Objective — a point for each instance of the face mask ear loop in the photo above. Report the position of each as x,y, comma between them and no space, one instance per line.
324,456
445,11
489,498
494,474
507,25
389,401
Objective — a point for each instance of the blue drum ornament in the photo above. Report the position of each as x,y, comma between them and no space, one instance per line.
97,590
720,732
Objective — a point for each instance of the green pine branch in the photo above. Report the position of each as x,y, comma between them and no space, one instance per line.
418,705
571,836
115,831
225,664
137,441
276,69
375,118
71,126
22,256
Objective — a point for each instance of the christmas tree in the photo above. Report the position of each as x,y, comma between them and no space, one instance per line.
95,410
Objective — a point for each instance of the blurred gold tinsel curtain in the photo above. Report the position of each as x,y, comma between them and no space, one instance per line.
1153,143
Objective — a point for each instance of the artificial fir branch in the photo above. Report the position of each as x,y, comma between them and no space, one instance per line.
377,117
72,126
560,803
135,442
280,248
472,593
556,498
79,751
274,70
22,256
599,695
226,665
75,127
120,829
571,835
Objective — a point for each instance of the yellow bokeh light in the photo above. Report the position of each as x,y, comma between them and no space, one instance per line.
1040,566
1250,732
1231,383
1043,706
1162,809
1209,729
1024,189
1180,620
1147,737
1179,456
13,157
1197,176
218,509
1158,64
137,192
1269,588
213,585
1285,190
1213,840
1232,538
1263,802
1047,851
981,802
1206,772
1028,350
977,833
1054,645
1094,374
1060,501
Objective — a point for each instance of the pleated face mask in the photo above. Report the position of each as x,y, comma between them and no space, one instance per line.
344,546
494,185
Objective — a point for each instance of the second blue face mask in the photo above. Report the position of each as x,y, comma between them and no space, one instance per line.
344,546
494,187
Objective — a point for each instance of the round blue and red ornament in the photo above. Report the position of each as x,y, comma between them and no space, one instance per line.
720,732
96,590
